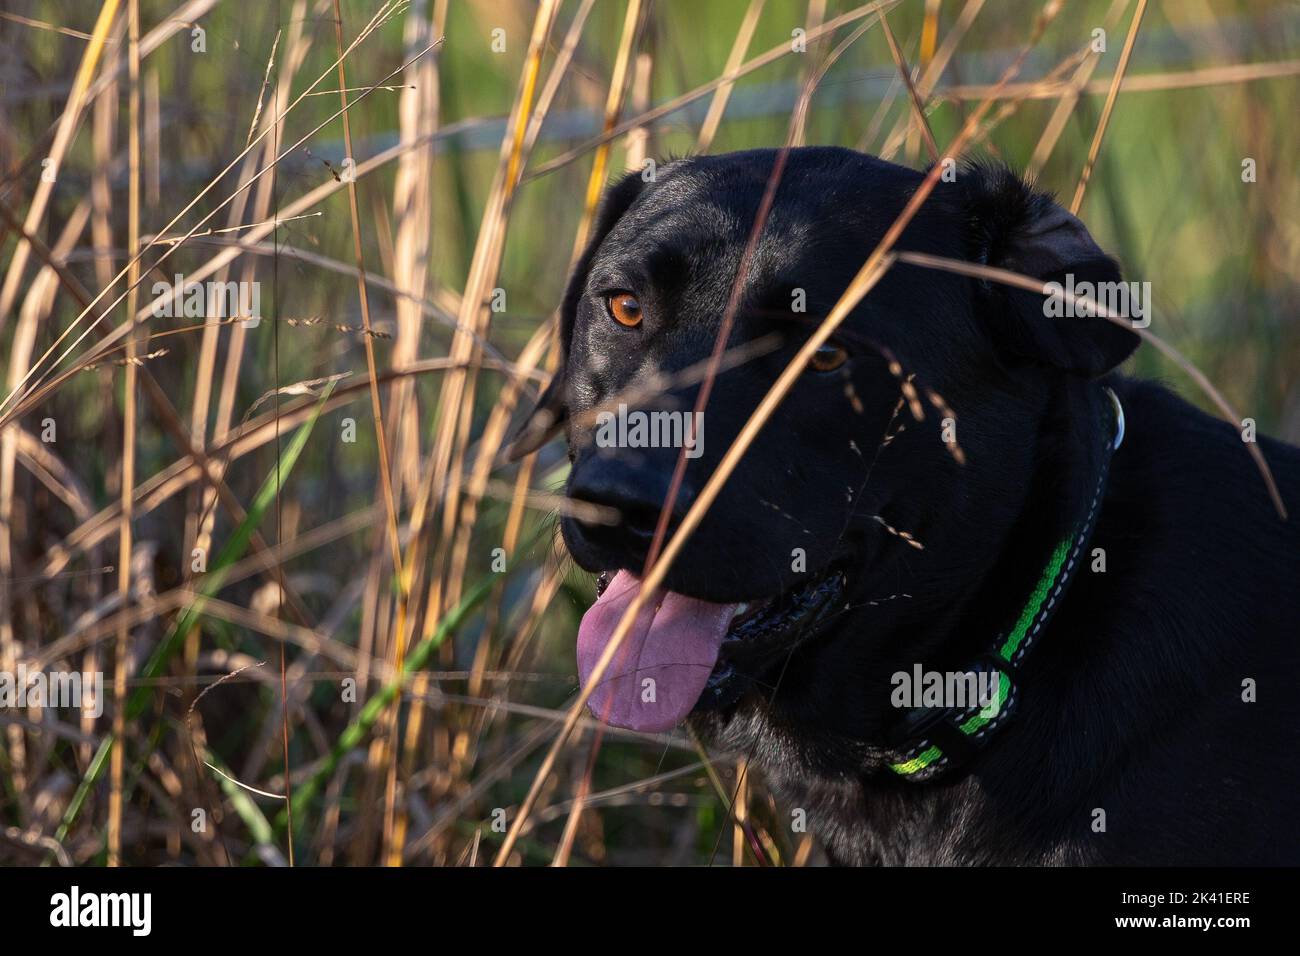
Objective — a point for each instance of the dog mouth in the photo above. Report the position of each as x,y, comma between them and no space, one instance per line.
682,653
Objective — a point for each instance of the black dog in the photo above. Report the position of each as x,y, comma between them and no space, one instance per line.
940,493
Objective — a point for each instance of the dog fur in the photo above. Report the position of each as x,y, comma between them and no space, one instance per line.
1132,700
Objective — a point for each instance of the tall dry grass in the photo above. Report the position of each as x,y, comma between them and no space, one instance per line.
327,651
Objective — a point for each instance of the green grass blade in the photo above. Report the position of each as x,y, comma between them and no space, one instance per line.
211,583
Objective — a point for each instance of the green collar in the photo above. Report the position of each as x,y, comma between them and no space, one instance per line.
933,740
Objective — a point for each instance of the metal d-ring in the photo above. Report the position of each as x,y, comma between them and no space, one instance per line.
1119,419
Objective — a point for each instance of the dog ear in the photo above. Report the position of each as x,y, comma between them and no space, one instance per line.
549,415
1015,228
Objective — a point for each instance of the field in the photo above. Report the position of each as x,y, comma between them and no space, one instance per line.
334,625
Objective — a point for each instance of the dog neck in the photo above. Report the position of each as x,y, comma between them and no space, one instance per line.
961,710
929,740
836,692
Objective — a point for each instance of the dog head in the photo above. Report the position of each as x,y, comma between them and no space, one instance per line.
883,485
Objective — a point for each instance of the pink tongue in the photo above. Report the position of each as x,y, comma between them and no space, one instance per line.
660,669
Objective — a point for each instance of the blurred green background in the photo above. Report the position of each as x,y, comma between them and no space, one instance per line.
1210,85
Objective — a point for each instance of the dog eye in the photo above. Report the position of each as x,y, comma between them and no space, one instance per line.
625,309
828,358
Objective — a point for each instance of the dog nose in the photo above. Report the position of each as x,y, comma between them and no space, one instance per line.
637,503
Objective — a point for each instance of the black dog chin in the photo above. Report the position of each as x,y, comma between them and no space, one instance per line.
773,616
765,636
